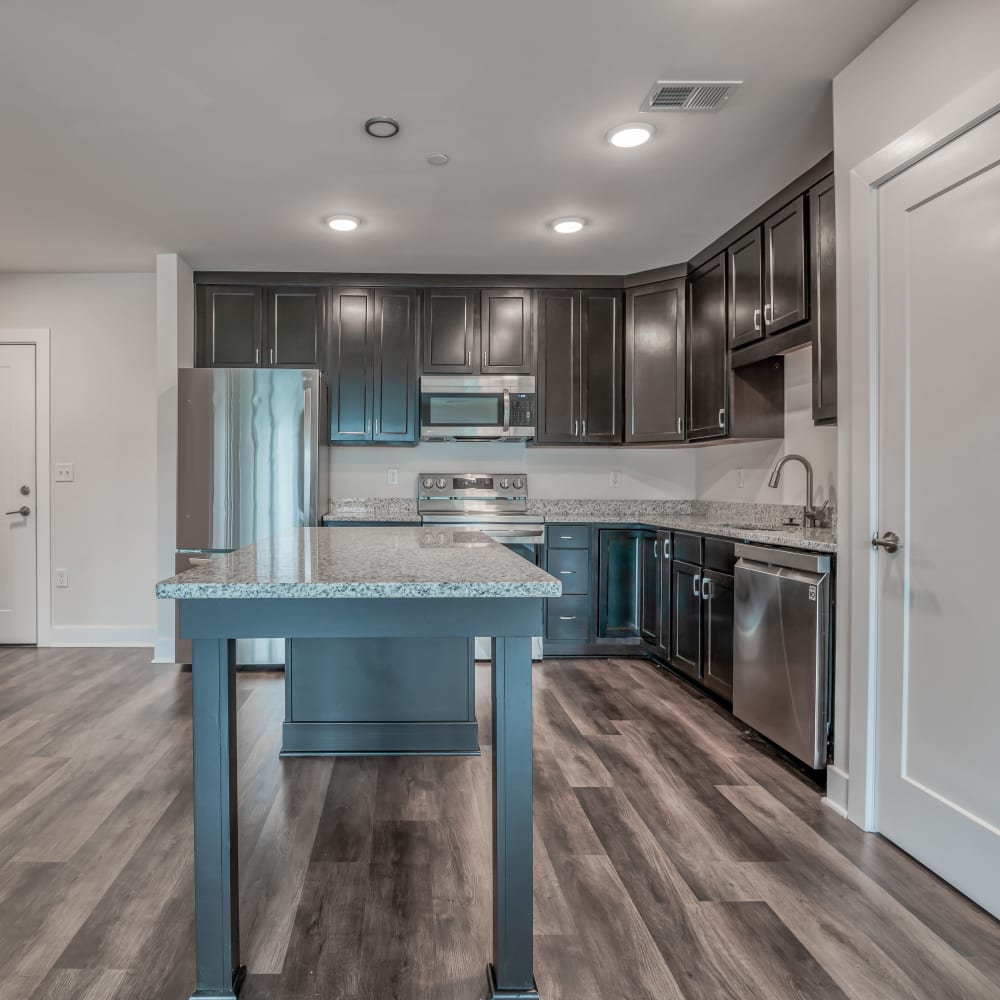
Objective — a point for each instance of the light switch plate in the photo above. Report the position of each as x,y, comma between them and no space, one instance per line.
392,477
64,472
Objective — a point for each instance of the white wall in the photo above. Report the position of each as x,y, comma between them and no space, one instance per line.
646,473
718,468
103,420
936,50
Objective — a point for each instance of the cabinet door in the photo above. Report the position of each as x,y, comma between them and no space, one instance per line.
450,320
506,346
349,364
685,633
558,323
601,367
785,271
717,653
708,360
230,328
824,301
394,364
296,318
664,594
654,362
649,576
618,617
746,290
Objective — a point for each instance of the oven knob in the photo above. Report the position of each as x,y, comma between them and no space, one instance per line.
428,483
504,483
441,483
518,484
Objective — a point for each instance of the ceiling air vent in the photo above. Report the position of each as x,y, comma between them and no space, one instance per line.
698,95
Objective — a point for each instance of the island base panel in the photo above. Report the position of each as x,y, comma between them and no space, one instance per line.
494,993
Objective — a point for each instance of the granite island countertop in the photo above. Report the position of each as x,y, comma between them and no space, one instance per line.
421,562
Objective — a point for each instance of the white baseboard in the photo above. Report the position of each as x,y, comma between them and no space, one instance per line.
164,651
836,790
103,635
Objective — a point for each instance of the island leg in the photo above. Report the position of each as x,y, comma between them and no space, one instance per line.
216,866
511,975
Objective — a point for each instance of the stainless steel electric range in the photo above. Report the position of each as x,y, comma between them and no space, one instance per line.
493,503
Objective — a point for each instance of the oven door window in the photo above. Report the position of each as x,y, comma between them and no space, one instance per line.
473,410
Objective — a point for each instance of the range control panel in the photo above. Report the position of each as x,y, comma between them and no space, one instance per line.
505,484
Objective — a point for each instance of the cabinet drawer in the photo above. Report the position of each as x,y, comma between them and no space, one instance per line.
569,536
687,548
571,567
567,618
720,555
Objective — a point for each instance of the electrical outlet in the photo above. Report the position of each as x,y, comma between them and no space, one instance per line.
739,479
62,577
64,472
392,477
615,479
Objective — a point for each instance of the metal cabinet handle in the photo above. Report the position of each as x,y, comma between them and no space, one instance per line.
566,538
584,434
697,585
23,511
576,428
376,427
680,425
270,354
484,357
256,356
468,359
722,418
706,589
567,618
567,572
656,549
768,313
890,541
756,319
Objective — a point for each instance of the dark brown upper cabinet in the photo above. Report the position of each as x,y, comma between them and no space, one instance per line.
654,362
394,366
449,331
230,327
295,329
505,346
745,260
579,337
824,301
786,272
352,327
707,357
372,365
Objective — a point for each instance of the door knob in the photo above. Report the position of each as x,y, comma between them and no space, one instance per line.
889,541
23,511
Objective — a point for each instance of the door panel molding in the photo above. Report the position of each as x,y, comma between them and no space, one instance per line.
42,507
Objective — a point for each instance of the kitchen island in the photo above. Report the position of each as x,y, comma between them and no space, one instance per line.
360,583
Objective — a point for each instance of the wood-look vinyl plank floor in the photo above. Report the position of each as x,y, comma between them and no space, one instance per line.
674,857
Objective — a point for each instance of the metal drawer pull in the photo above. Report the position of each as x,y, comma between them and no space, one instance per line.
756,319
722,419
567,572
567,618
656,549
697,585
566,538
706,589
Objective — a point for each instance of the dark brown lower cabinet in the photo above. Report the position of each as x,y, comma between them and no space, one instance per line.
663,596
717,628
649,617
685,632
619,590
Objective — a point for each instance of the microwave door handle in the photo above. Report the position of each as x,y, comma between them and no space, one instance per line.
506,411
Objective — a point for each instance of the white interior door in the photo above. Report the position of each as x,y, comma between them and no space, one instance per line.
18,613
938,697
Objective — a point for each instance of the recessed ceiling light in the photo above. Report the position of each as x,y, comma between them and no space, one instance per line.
381,127
572,225
438,159
630,134
343,223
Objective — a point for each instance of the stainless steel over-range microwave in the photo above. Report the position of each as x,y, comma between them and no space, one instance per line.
477,407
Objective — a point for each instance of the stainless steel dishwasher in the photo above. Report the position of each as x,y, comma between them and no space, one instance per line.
781,664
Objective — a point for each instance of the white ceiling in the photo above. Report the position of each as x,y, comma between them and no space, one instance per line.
226,130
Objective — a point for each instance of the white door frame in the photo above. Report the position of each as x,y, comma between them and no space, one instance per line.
960,115
40,339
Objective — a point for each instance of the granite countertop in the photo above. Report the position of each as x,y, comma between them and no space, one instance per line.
594,512
366,563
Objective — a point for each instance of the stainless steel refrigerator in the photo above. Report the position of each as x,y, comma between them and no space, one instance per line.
250,466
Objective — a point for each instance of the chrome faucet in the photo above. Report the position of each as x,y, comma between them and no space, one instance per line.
814,517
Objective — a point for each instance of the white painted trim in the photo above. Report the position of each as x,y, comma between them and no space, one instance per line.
837,785
164,650
958,116
41,340
103,635
834,807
